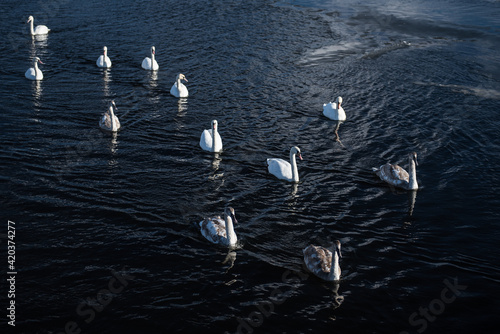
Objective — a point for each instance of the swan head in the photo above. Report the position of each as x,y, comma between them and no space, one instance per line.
182,77
153,50
112,105
37,60
105,49
214,124
30,19
339,100
413,156
229,211
296,151
337,248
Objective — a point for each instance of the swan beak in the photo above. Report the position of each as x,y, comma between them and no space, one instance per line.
40,61
234,218
339,252
300,156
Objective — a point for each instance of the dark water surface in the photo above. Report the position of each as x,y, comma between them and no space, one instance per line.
106,234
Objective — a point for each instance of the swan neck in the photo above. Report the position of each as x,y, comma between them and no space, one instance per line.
214,133
178,83
412,175
112,118
335,269
231,236
31,27
295,173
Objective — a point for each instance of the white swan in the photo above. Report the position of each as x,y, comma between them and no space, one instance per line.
109,121
210,139
103,60
220,231
34,73
285,170
150,63
334,110
178,89
397,176
322,263
38,30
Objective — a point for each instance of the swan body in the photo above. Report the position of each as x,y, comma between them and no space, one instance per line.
322,262
34,73
334,110
38,30
178,88
210,139
150,63
285,170
103,60
220,231
109,121
397,176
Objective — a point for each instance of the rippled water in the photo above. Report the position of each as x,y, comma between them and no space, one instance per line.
93,210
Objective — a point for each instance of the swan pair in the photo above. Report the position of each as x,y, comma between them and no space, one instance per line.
109,121
397,176
319,260
38,30
211,141
148,63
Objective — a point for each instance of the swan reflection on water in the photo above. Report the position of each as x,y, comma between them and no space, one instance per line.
230,259
37,91
113,147
182,106
106,80
337,137
337,299
153,79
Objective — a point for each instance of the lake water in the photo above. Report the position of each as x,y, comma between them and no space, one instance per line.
106,225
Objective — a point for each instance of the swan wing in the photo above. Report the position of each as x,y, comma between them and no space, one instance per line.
117,123
41,30
218,142
318,260
146,63
30,73
206,140
100,61
214,230
108,62
105,121
183,91
393,174
174,91
280,168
